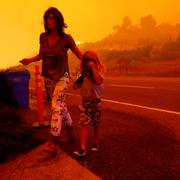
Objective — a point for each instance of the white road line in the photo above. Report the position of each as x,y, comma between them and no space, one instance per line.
131,86
129,104
135,105
143,107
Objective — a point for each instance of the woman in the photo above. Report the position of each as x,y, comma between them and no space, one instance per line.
54,44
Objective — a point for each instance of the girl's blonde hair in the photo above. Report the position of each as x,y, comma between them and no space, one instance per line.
91,56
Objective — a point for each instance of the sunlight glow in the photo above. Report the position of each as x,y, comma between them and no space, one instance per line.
79,42
21,21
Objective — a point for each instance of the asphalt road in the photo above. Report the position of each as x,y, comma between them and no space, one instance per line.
139,133
160,93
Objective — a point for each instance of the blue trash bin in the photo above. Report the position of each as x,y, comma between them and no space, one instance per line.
19,81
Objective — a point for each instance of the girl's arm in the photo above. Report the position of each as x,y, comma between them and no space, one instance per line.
98,79
27,61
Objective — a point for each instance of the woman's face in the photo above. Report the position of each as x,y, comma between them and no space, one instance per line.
51,23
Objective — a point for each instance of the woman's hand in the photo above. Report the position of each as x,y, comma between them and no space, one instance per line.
25,61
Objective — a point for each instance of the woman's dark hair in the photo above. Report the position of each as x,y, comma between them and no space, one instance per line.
59,19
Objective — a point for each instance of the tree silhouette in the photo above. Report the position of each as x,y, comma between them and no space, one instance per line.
127,23
148,23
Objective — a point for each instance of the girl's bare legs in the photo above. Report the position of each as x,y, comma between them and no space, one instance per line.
95,147
83,138
96,134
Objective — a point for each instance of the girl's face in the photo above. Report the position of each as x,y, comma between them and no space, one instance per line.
51,23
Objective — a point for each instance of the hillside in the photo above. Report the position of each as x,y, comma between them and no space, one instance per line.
157,69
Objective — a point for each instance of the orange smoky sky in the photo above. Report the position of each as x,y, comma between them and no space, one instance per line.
90,20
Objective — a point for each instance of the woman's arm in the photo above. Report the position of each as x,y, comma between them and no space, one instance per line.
27,61
77,52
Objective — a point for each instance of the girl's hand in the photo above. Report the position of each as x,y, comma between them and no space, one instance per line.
25,61
91,64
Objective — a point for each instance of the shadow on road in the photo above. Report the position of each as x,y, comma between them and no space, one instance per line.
131,147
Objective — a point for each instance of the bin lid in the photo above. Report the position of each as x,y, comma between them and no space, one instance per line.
15,73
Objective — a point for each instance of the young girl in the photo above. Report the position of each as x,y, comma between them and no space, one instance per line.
91,87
